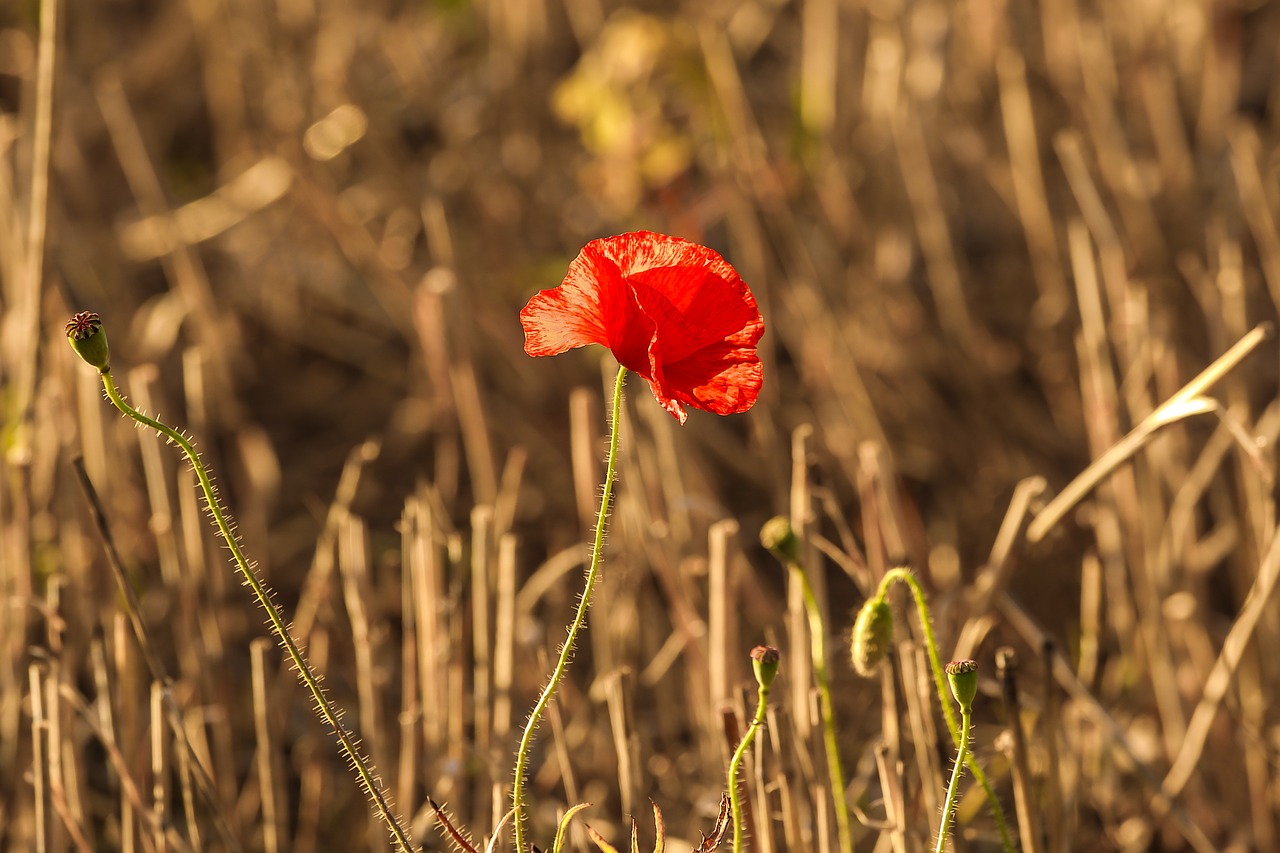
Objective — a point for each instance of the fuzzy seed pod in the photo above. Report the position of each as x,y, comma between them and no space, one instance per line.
780,539
872,636
963,676
89,340
764,660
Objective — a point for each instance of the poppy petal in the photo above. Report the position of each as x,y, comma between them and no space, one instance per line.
593,305
560,319
721,378
672,311
714,310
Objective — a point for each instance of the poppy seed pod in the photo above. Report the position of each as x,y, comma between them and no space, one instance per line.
89,340
872,636
764,661
780,539
963,677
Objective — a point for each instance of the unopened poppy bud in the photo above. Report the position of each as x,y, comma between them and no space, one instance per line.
89,339
963,676
780,539
872,636
764,660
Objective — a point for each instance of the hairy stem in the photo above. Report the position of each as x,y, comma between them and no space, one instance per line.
324,706
940,686
950,807
566,651
735,797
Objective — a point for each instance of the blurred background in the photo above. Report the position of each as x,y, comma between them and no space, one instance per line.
988,239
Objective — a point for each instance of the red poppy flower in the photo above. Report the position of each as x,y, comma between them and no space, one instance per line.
672,311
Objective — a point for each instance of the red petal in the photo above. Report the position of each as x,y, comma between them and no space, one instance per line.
561,318
722,378
673,311
593,305
706,329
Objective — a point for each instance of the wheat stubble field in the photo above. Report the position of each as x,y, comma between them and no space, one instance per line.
991,241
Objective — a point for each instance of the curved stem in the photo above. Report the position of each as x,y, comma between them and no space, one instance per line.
818,653
950,807
940,686
566,651
930,640
735,798
279,626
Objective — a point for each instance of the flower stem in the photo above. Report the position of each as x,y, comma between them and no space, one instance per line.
566,651
324,706
949,808
818,653
735,797
940,686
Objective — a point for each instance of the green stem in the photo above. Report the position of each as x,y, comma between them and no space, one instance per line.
324,706
950,807
735,797
940,685
818,653
566,651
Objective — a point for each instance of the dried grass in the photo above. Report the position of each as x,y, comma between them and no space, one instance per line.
990,241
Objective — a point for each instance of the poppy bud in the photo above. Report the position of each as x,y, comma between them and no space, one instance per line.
963,676
89,340
764,660
780,539
872,636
